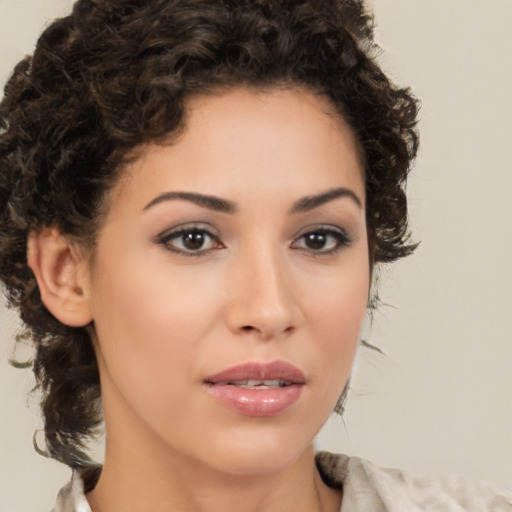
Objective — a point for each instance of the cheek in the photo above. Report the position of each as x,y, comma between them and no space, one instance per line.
337,312
338,333
146,320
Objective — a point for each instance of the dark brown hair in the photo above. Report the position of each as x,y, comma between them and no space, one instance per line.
116,74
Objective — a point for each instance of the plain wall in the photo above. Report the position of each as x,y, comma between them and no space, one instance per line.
441,397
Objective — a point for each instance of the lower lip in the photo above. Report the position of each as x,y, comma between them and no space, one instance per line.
256,402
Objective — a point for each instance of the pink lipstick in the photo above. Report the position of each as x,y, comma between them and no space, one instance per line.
257,389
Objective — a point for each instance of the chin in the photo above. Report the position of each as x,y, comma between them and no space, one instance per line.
258,464
259,453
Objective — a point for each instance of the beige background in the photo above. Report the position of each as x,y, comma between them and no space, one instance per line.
441,398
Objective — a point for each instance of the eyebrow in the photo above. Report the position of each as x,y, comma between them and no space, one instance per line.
210,202
304,204
311,202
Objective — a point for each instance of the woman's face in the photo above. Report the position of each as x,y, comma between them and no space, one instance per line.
229,284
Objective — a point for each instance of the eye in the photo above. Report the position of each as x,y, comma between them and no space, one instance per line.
322,241
191,241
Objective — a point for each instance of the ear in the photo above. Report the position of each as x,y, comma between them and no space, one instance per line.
60,276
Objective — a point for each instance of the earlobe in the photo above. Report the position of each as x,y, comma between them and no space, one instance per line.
56,267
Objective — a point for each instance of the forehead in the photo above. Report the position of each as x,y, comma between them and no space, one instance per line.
278,140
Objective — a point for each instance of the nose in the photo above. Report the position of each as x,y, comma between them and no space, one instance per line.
264,301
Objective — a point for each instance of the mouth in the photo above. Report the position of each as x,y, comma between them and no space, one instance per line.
273,374
257,389
255,384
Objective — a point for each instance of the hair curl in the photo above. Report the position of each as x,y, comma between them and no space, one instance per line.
116,74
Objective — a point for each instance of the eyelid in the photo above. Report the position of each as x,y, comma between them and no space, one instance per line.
186,226
173,233
320,227
343,238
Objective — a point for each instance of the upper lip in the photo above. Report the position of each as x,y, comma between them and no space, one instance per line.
275,370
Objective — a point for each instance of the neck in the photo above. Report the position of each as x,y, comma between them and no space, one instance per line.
183,485
144,471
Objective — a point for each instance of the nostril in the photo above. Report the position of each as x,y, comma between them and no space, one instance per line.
248,328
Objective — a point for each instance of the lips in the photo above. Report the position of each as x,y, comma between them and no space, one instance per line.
257,389
256,383
276,370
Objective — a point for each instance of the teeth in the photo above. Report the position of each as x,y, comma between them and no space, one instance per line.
257,384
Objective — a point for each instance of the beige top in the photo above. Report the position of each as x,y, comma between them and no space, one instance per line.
370,488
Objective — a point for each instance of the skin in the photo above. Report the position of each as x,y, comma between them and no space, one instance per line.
165,320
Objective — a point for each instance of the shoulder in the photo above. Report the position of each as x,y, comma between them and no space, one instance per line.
367,486
71,497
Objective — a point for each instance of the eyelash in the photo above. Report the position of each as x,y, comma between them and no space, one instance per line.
166,239
341,239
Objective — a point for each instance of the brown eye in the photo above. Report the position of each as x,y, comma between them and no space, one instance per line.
194,240
190,241
322,241
316,241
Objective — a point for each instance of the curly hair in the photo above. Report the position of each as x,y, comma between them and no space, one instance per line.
116,74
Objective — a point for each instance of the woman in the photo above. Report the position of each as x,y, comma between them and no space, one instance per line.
194,197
